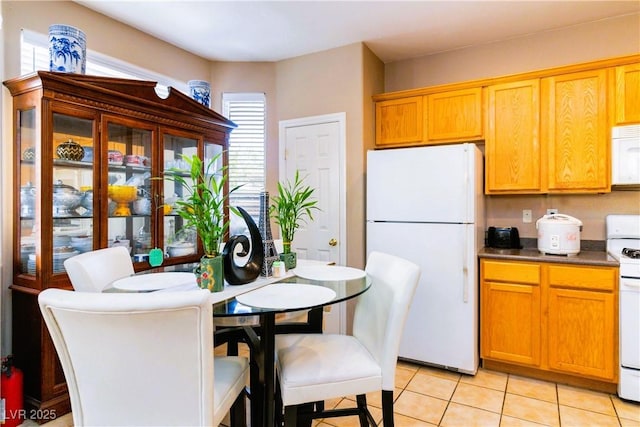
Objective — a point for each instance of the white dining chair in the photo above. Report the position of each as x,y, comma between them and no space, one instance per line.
94,271
143,359
315,367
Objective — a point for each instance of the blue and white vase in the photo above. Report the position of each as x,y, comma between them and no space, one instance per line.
67,49
200,90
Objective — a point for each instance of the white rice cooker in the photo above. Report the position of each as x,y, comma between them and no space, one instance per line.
559,234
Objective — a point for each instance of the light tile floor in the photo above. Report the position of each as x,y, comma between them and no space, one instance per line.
428,396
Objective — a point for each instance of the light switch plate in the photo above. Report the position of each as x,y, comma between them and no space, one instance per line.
527,216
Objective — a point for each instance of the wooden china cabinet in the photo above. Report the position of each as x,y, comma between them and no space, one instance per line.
86,149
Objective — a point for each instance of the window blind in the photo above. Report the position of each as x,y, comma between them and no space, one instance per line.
246,150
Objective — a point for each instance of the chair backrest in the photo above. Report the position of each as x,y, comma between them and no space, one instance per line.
134,359
381,311
93,271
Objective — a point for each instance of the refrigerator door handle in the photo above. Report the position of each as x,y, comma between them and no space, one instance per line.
465,285
465,272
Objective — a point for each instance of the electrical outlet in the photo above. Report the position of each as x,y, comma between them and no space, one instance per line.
527,216
552,211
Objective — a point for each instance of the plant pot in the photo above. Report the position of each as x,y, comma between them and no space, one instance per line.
290,260
210,273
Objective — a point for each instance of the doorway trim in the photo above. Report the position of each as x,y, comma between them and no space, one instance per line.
341,119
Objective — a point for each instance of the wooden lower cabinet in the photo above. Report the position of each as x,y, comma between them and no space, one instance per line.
550,318
45,389
511,312
582,321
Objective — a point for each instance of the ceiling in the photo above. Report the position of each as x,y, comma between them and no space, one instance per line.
394,30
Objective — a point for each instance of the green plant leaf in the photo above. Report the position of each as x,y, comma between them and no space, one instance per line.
292,206
204,199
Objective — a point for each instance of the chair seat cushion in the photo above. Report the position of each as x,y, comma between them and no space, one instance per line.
230,376
342,366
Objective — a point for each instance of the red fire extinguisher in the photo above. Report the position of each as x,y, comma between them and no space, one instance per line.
11,393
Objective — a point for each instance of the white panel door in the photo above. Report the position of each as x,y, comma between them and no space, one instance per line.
315,147
311,150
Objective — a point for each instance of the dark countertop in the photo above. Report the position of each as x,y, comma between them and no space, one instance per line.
585,257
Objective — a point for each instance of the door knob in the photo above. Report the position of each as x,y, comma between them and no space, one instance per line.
333,242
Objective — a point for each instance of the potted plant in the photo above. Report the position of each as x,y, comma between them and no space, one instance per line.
290,207
202,208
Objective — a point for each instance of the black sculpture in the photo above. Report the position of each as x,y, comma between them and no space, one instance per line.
233,273
270,254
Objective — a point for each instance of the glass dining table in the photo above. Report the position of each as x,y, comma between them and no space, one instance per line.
248,313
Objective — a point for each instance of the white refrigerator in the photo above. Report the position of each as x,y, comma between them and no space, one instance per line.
425,204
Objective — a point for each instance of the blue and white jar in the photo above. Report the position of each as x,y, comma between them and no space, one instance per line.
200,90
67,49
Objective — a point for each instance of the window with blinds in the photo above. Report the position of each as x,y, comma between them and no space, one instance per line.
246,152
34,55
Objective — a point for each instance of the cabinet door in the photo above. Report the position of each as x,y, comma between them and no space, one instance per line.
582,332
455,115
510,312
582,320
576,132
511,322
24,230
72,196
179,240
129,153
512,145
399,121
627,94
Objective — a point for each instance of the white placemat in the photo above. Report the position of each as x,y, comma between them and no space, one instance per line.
154,281
329,272
287,296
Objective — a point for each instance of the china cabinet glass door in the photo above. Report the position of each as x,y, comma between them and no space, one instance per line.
131,205
72,192
27,175
178,239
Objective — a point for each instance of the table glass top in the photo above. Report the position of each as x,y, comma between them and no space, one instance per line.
337,283
343,289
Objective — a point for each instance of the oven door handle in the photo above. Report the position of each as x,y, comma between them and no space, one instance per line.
631,283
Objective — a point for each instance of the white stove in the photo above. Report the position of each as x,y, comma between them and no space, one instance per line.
623,243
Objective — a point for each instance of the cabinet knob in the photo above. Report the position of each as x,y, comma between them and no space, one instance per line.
333,242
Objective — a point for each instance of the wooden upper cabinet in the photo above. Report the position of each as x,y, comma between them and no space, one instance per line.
512,143
454,115
575,131
627,95
400,121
